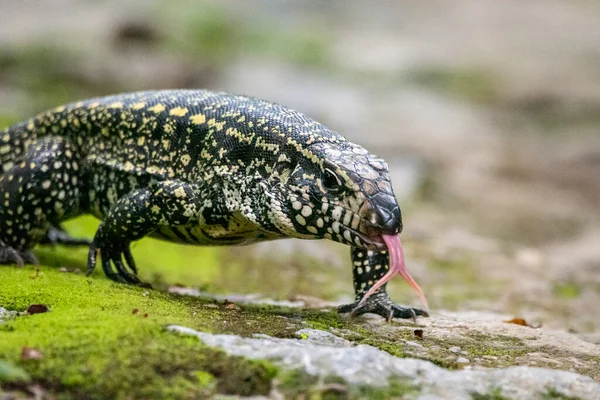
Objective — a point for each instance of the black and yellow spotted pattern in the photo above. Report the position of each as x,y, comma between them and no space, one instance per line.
197,167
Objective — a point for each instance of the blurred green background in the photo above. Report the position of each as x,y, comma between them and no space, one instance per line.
487,112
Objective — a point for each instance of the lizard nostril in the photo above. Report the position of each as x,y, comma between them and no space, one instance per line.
373,218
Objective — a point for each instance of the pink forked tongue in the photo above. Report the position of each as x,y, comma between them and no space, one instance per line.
397,266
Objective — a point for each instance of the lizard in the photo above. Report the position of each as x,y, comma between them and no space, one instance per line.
195,167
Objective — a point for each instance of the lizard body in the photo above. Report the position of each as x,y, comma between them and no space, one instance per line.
196,167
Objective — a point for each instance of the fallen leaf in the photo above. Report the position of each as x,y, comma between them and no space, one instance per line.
134,311
37,309
522,322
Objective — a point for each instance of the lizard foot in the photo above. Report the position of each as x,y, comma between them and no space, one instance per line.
112,253
381,304
57,235
8,255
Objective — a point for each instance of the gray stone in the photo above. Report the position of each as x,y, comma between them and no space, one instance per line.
316,336
362,365
5,315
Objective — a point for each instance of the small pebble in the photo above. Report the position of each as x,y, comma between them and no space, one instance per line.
233,306
29,353
454,349
414,344
490,357
462,360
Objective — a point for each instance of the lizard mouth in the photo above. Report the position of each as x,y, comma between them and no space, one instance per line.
360,239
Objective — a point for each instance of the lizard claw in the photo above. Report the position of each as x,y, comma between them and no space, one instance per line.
9,255
110,255
381,304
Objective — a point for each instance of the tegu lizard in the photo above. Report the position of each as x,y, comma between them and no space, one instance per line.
195,167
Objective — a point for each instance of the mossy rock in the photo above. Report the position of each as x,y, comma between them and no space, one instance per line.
102,339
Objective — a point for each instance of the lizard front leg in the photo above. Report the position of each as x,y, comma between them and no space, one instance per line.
134,216
367,268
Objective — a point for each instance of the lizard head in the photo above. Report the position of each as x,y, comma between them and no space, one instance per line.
339,192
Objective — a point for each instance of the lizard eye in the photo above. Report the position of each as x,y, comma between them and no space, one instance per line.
331,181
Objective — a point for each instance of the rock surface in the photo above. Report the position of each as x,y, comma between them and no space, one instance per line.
5,315
324,354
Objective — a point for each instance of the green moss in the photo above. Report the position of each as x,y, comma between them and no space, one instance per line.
294,383
396,388
553,394
103,339
212,35
391,348
471,84
495,394
297,384
7,120
454,281
50,74
204,32
567,290
478,345
108,339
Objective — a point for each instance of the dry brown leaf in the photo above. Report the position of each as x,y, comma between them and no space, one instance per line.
37,309
522,322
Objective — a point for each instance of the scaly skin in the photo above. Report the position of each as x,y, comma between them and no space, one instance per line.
196,167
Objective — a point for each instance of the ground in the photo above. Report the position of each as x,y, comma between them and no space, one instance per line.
103,339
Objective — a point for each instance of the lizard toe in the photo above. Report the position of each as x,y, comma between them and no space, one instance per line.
8,255
381,304
112,262
122,270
